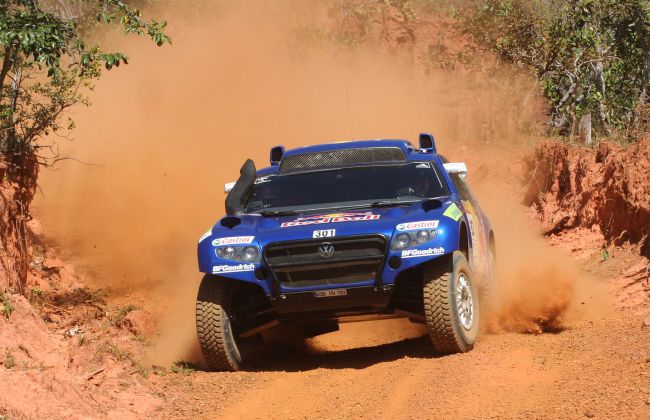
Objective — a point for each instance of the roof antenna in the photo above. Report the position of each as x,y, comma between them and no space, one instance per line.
347,96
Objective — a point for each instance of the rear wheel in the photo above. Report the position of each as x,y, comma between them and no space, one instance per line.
214,324
451,305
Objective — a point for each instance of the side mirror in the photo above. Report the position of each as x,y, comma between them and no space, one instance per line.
276,155
427,143
228,187
456,168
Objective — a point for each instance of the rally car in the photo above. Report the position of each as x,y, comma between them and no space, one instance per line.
344,232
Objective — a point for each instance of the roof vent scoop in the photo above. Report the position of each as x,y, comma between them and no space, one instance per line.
276,154
427,143
236,199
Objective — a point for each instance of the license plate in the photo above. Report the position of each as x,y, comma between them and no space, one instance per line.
330,293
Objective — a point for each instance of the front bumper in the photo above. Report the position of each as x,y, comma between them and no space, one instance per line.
366,299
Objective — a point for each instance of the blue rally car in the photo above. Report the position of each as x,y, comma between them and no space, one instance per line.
344,232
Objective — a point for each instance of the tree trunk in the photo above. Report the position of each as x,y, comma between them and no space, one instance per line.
584,130
7,62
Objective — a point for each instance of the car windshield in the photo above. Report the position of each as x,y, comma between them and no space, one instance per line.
346,187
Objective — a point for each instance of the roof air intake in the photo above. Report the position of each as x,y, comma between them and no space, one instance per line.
342,157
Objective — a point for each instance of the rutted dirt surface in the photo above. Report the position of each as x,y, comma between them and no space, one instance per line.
595,367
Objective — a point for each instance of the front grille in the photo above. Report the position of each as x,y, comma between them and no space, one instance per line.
299,263
342,157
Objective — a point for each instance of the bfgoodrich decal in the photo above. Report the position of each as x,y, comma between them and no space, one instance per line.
232,268
415,253
233,240
332,218
425,224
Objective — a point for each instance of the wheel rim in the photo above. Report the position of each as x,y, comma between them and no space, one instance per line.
464,301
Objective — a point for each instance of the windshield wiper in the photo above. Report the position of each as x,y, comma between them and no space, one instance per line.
268,213
378,204
392,203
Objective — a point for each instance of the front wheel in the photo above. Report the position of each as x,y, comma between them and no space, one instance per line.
214,312
451,305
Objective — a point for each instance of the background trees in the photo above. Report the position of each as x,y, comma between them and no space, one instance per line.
591,56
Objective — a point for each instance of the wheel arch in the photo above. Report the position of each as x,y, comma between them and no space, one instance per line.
463,239
253,286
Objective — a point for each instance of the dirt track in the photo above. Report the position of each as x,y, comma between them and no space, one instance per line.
596,366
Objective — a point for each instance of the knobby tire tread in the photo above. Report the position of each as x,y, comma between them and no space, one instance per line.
214,335
438,308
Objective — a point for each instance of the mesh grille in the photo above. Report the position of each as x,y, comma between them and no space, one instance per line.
345,157
355,259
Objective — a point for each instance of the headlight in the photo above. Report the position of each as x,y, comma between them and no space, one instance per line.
402,241
423,236
405,240
248,253
229,252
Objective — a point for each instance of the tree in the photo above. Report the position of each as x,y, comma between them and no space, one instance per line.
46,67
46,64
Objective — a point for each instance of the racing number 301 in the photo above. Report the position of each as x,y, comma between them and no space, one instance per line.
324,233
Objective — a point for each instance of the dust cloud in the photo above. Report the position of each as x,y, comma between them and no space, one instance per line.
166,132
539,287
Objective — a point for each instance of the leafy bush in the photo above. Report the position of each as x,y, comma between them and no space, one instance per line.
6,308
46,64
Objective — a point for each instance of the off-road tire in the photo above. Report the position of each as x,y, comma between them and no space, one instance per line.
441,315
216,338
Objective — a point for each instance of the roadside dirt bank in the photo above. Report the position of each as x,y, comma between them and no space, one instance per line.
606,189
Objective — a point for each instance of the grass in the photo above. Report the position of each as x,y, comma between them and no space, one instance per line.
7,307
36,293
182,367
111,349
118,317
10,361
142,369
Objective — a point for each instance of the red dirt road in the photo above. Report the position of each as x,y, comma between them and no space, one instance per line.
599,366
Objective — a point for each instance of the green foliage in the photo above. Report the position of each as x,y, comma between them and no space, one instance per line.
7,308
36,293
47,63
590,56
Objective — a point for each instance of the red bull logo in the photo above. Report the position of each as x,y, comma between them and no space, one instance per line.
332,218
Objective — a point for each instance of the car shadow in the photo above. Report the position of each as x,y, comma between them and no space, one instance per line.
293,357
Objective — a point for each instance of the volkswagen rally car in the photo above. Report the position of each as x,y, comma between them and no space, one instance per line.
344,232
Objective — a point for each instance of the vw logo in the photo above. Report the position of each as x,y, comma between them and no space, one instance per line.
326,250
